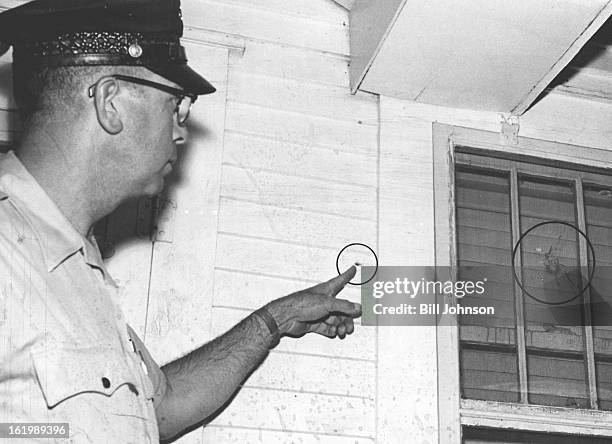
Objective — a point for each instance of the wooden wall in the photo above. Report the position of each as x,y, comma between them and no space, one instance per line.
284,168
298,182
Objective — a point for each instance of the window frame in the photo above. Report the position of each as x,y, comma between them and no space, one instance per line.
454,412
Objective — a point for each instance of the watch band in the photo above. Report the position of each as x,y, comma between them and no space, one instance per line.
268,319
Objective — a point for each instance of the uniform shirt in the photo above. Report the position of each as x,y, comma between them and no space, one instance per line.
66,352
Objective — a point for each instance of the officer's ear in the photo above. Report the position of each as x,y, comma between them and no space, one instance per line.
105,94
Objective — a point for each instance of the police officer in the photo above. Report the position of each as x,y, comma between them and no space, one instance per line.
105,92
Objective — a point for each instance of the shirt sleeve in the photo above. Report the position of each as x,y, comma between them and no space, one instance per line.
154,372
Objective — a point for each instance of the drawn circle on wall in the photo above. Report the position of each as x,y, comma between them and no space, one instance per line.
550,271
357,254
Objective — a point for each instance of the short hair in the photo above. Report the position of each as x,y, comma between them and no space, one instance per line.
58,89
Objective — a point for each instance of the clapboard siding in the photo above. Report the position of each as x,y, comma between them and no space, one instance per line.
301,412
359,348
288,191
265,153
243,290
289,260
298,63
301,97
235,435
276,223
301,128
299,181
331,376
249,21
324,12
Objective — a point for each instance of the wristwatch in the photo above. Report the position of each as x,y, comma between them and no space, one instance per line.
265,315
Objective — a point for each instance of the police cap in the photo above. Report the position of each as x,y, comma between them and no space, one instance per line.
50,33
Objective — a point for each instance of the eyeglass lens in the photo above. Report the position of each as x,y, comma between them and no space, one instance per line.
183,109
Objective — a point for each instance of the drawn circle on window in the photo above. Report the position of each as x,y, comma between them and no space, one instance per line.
362,256
546,262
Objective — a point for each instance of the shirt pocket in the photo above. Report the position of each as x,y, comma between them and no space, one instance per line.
65,371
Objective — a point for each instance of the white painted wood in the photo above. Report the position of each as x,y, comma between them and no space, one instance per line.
235,289
318,11
248,291
303,412
298,96
328,197
407,386
447,336
556,118
233,435
302,128
182,272
358,348
519,302
289,260
588,83
533,147
536,418
268,154
482,54
274,223
275,26
315,374
301,64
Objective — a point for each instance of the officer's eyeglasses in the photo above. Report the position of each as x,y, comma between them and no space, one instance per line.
185,99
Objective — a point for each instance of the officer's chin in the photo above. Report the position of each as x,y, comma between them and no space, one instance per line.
155,187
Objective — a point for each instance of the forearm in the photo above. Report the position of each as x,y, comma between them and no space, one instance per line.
203,381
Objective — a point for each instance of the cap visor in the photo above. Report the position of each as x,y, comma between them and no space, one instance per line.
185,77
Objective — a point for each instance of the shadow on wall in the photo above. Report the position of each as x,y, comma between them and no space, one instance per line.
137,220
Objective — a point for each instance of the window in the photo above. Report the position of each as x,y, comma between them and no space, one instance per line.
524,369
527,353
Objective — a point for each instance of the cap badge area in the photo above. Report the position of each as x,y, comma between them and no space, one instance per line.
135,50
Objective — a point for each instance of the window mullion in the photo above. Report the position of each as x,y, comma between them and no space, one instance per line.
586,306
521,345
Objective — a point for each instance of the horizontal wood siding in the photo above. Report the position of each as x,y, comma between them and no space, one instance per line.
298,183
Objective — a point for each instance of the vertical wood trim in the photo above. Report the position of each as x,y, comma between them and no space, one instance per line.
521,346
449,421
586,302
406,376
571,52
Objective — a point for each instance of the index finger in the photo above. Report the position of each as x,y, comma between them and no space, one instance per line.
334,285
